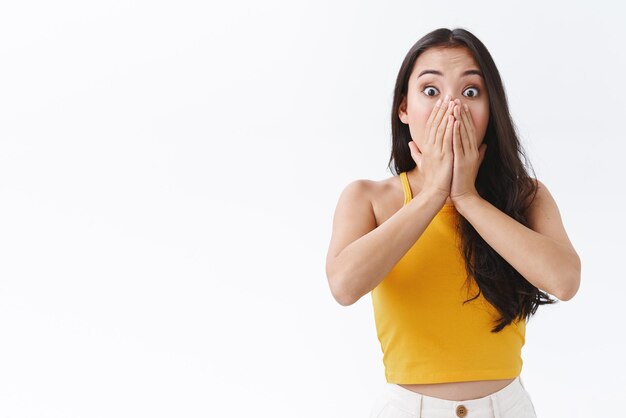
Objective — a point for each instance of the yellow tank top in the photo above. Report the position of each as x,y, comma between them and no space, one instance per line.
426,333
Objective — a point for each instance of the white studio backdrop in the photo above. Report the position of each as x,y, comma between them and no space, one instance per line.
169,173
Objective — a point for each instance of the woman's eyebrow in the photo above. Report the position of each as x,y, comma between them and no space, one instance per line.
464,74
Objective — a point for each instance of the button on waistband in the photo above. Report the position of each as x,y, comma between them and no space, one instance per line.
461,411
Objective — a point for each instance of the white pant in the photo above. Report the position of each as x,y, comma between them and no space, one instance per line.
512,401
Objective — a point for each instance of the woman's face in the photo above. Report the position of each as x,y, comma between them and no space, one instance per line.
425,89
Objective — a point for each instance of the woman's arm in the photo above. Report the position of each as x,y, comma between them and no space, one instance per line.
543,253
360,254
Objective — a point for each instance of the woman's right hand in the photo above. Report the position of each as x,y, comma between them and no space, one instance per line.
436,157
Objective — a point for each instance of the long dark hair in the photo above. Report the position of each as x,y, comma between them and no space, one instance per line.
502,180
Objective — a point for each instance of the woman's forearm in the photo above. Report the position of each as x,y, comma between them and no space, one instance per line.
363,264
545,263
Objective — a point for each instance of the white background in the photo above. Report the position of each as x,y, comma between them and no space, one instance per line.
169,173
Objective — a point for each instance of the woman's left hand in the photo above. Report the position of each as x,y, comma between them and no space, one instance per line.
467,157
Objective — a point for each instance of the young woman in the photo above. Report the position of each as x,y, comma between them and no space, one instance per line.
458,248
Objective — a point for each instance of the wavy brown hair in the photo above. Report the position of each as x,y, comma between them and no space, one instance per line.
502,180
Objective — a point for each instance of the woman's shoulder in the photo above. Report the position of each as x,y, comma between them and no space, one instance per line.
384,196
375,190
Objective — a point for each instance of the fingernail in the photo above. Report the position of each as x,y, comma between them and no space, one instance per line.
447,98
438,102
466,108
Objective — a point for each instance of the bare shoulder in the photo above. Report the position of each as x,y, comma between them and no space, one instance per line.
354,216
376,191
358,211
386,197
360,190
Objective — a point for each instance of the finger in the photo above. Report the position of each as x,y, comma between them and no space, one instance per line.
436,122
430,123
440,131
442,110
463,137
415,153
456,139
434,112
414,148
464,131
469,122
447,137
466,141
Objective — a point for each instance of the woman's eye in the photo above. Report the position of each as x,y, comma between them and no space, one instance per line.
429,89
473,88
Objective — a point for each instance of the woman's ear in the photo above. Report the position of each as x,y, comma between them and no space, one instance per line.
402,112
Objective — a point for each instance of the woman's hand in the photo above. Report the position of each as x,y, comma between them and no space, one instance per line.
435,158
467,157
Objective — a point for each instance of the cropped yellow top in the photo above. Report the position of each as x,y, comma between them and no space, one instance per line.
426,333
